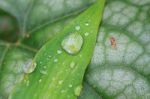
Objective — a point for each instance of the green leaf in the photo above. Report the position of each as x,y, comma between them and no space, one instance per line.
20,50
52,71
120,67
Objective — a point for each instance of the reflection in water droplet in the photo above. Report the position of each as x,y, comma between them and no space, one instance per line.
59,51
72,64
86,34
77,27
77,90
29,66
72,43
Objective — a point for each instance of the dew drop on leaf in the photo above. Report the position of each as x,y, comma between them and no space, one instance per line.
62,91
55,60
29,66
77,27
77,90
44,72
70,85
60,82
87,24
72,64
72,44
27,83
86,34
59,51
40,80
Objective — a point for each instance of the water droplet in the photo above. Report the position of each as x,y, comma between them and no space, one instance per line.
77,27
87,24
86,34
72,43
80,55
29,66
44,67
72,64
77,90
59,51
44,72
40,80
53,79
55,60
27,83
60,82
70,85
49,56
40,62
62,91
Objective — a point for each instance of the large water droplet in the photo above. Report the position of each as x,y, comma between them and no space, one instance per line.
72,43
29,66
77,90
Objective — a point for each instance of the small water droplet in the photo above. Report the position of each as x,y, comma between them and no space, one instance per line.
80,55
44,72
55,60
86,34
49,56
59,51
77,90
62,91
72,43
72,64
60,82
27,83
40,62
40,80
44,67
68,96
70,85
77,27
29,66
87,24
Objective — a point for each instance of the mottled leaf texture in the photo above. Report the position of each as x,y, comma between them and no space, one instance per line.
120,67
33,14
